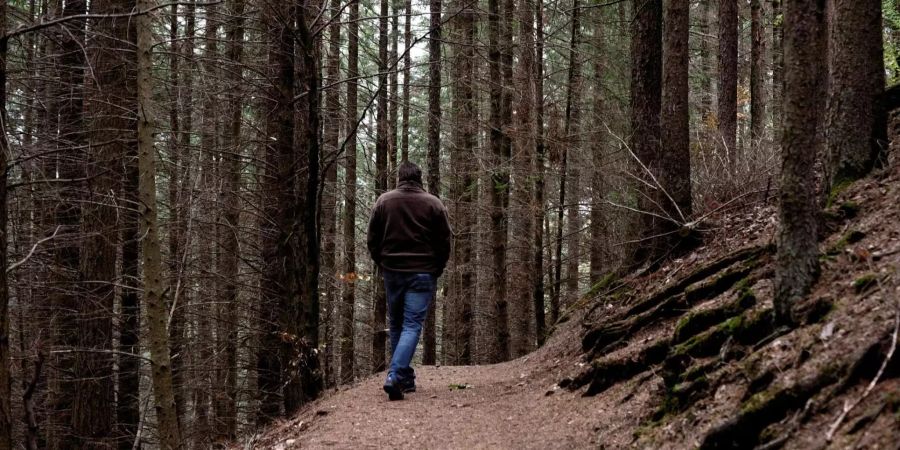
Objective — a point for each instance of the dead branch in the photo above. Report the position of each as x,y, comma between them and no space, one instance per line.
31,252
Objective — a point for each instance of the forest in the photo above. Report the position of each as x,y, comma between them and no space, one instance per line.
186,184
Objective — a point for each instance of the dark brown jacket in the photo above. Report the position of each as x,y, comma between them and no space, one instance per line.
409,231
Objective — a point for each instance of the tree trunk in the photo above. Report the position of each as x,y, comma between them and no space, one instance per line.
855,123
110,92
279,215
777,69
331,147
227,335
758,74
646,91
180,194
797,263
598,228
305,379
348,303
707,72
381,143
161,370
5,378
72,425
574,163
434,154
675,164
407,64
499,58
459,304
205,215
728,53
539,161
393,105
522,218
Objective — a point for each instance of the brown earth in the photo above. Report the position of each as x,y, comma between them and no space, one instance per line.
650,375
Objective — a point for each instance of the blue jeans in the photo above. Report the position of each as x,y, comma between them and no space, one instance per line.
408,297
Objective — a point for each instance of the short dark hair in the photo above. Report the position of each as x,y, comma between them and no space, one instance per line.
409,172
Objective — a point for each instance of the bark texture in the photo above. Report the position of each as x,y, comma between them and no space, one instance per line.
728,78
348,301
855,123
521,217
331,147
499,71
279,271
646,92
675,164
161,368
797,256
457,341
5,377
227,333
111,91
381,183
758,75
429,340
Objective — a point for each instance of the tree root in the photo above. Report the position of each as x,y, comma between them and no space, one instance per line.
605,373
774,404
697,322
600,339
699,275
767,407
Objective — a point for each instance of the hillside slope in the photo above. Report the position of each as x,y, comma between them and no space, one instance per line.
683,358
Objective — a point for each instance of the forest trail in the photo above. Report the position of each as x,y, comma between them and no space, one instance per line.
686,357
508,405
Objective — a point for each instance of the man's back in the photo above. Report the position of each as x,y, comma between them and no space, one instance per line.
409,231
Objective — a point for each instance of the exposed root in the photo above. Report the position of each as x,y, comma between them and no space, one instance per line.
694,323
699,275
767,407
771,405
604,373
601,339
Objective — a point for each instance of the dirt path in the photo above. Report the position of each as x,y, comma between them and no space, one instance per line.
504,406
501,408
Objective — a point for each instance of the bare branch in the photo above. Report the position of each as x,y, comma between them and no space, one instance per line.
61,20
33,249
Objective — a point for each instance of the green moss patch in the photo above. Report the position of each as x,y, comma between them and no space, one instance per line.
865,282
852,237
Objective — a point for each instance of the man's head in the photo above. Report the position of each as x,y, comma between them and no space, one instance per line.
409,172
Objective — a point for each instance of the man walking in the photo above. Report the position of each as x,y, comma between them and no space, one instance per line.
409,238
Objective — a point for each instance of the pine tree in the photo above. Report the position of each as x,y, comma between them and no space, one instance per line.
434,154
675,157
855,124
161,369
349,294
646,91
5,378
459,303
758,73
227,332
728,73
797,260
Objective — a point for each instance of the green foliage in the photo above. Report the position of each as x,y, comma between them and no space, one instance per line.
891,15
864,282
850,238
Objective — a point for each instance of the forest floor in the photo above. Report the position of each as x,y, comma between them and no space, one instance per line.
685,357
516,404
